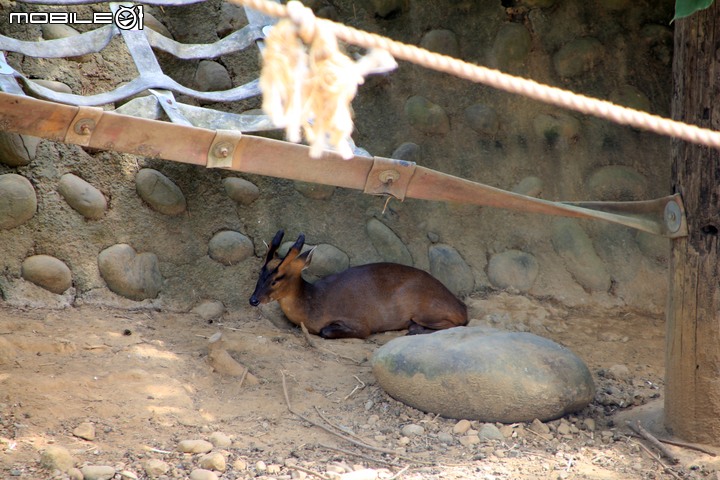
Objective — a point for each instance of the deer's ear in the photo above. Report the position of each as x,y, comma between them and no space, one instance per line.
306,257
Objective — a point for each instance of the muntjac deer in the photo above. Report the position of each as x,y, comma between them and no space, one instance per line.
359,301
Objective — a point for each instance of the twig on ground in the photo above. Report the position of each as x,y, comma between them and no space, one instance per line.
547,439
308,471
657,458
338,427
242,379
690,446
359,455
339,435
357,387
405,468
637,428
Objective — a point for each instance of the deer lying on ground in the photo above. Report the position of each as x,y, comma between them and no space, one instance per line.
359,301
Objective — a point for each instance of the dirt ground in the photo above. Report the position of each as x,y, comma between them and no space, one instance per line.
144,380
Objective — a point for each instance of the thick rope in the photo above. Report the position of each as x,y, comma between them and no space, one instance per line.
502,81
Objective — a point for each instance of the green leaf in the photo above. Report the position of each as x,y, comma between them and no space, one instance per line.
685,8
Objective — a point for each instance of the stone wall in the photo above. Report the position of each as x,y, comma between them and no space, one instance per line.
80,226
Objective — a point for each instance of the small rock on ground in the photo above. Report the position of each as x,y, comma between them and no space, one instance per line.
194,446
97,472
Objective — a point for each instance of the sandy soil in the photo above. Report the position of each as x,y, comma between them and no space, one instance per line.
144,380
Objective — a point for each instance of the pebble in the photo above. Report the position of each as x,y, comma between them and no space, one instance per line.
240,465
127,273
489,432
55,31
194,446
513,269
220,440
274,469
617,183
53,85
575,247
511,47
151,22
564,428
461,427
85,430
530,186
446,438
539,427
326,260
578,57
209,310
18,202
160,192
426,116
468,440
618,372
155,468
57,457
489,369
387,244
483,119
403,441
229,247
409,151
239,189
47,272
441,41
448,266
201,474
97,472
589,424
260,467
412,430
85,199
315,191
17,150
128,475
232,17
212,77
213,461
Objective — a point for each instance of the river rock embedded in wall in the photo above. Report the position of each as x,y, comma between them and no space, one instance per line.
127,273
426,116
511,47
581,260
412,152
578,57
617,183
441,41
229,247
241,190
479,373
513,269
450,268
85,199
315,191
557,127
47,272
212,77
530,186
387,244
18,202
326,260
482,119
17,150
160,192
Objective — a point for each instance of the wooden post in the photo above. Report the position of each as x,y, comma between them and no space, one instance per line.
692,390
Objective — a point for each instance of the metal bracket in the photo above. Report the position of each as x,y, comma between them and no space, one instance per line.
222,149
389,177
82,127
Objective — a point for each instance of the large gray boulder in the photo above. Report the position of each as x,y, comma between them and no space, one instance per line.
480,373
